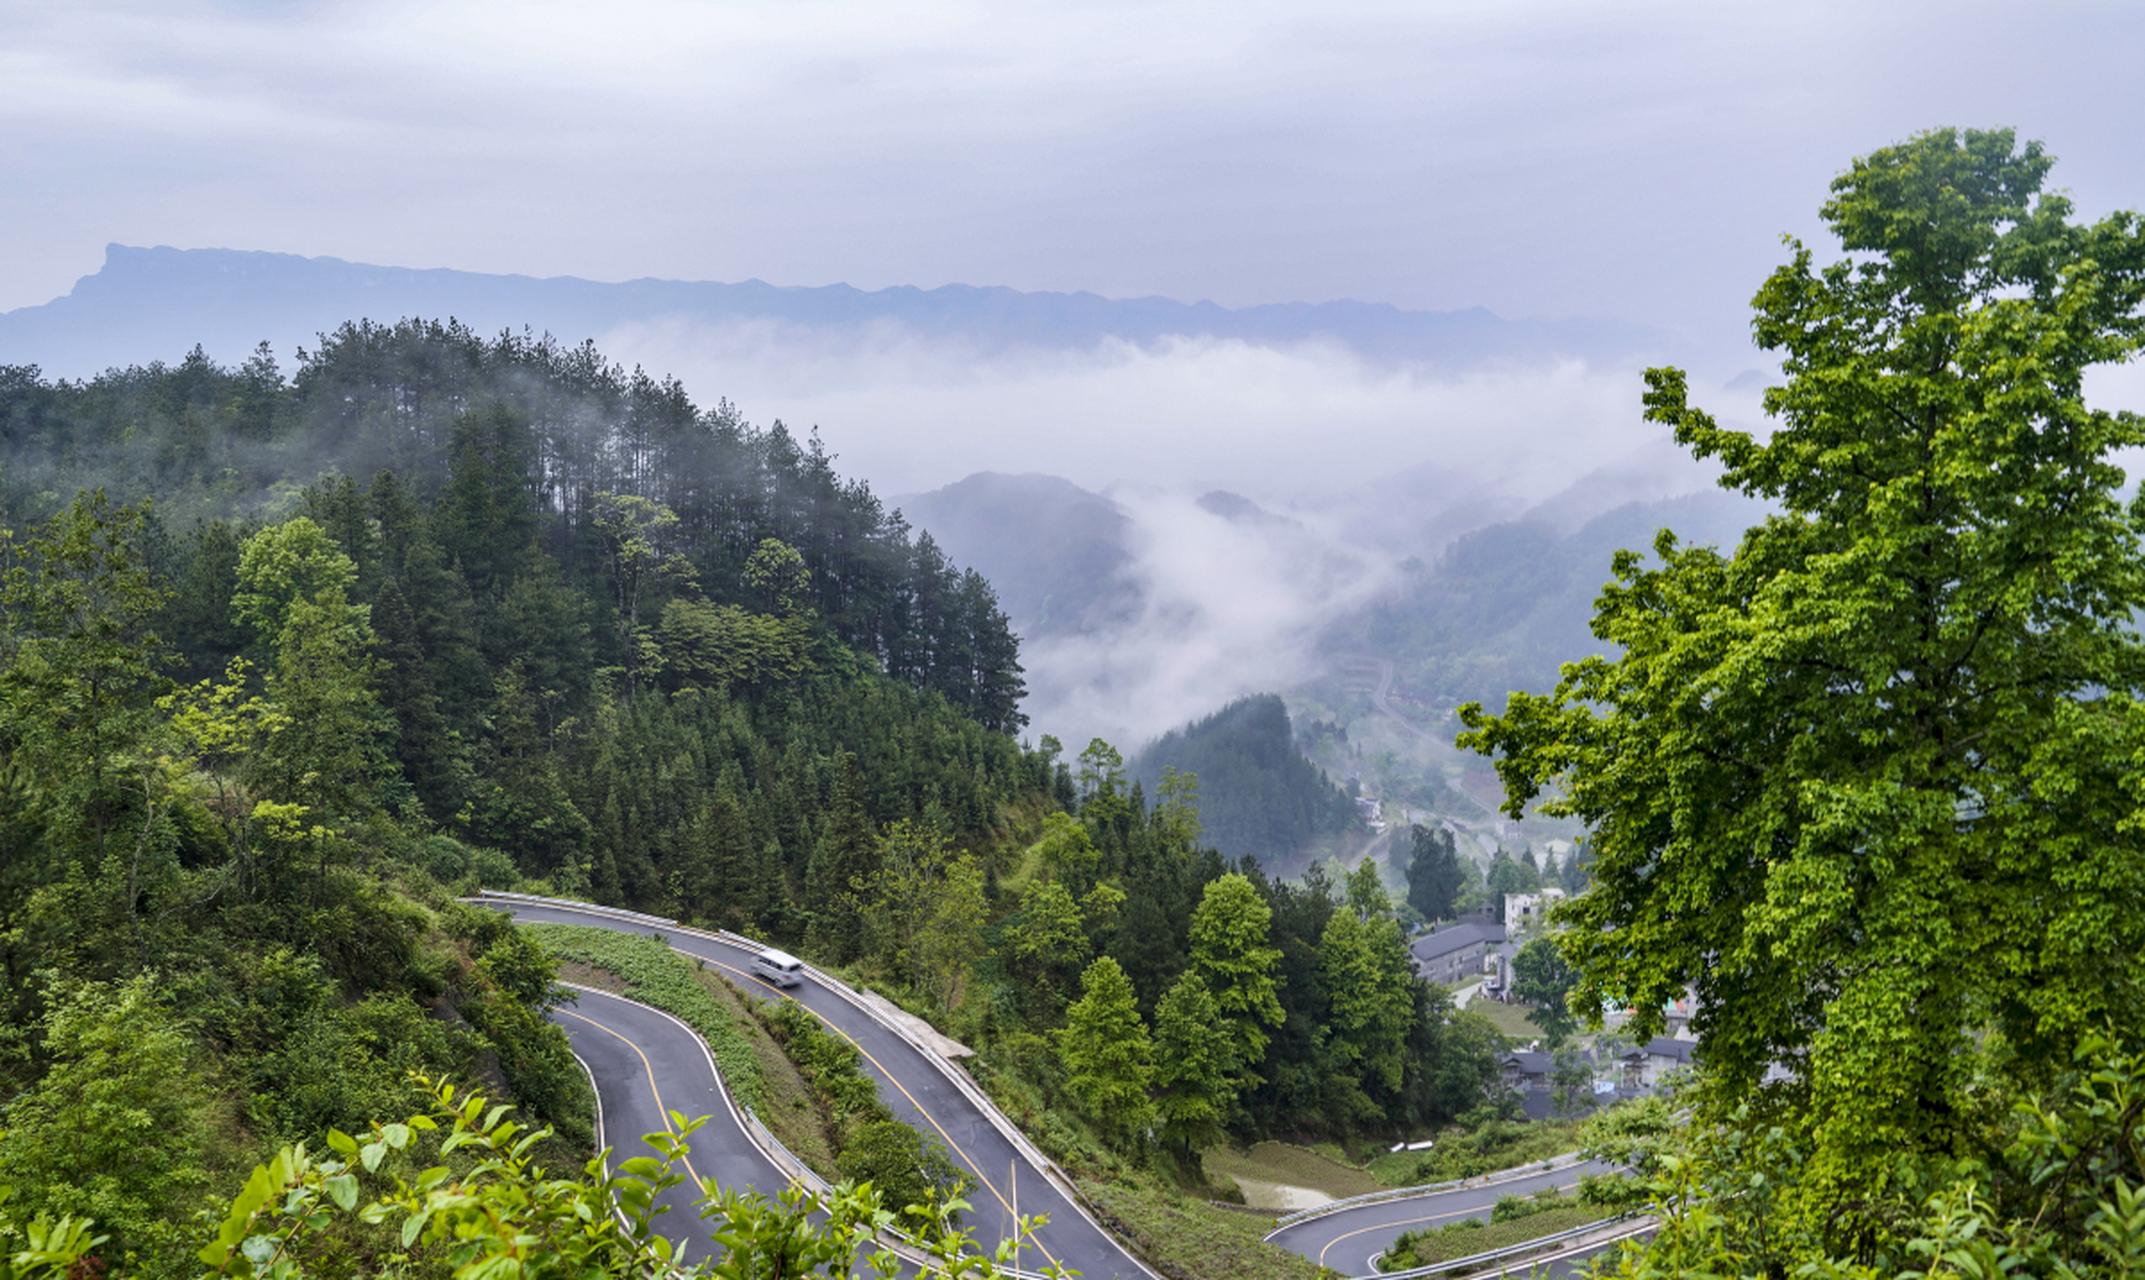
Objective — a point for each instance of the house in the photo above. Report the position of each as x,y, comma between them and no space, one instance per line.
1676,1016
1458,950
1524,910
1645,1066
1527,1069
1531,1073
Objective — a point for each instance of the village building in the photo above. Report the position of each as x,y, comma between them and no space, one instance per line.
1457,951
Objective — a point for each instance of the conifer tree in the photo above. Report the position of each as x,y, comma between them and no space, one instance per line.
1109,1056
1435,878
844,867
1195,1072
1230,954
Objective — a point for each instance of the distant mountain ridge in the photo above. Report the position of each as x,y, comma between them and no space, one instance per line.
155,304
1057,555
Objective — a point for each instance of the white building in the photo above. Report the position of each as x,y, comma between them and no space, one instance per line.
1524,910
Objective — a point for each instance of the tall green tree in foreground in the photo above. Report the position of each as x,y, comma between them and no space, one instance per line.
1872,782
1108,1053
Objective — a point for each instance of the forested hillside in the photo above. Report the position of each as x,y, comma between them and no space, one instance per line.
438,613
1258,796
1505,606
519,451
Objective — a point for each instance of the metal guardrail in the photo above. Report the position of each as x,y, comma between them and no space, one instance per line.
1482,1261
756,1130
954,1075
783,1157
1551,1165
590,907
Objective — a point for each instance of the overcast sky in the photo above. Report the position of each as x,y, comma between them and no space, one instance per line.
1636,160
1633,160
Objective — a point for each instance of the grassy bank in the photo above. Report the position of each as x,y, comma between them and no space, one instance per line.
1490,1147
1190,1239
657,976
1465,1239
1292,1166
793,1110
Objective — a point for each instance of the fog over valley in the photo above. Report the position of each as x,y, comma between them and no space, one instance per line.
1193,640
1230,485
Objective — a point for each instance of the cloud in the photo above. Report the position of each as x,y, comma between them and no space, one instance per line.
1229,608
1544,157
1371,462
1300,424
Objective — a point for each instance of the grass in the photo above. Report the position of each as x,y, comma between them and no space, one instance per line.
1460,1153
1293,1166
1465,1239
1189,1239
794,1112
657,976
1511,1019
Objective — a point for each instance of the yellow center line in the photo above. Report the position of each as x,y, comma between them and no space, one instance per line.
1405,1222
650,1069
892,1079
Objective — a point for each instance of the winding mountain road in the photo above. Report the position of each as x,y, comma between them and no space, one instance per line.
647,1064
920,1088
1346,1239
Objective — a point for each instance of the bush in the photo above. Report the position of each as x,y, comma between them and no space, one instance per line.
1514,1207
913,1174
831,1063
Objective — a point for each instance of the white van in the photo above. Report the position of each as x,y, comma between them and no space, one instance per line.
778,967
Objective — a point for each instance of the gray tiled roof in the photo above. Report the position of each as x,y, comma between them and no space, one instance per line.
1455,937
1666,1047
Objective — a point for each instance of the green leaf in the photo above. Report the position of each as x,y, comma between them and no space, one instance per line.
343,1191
414,1224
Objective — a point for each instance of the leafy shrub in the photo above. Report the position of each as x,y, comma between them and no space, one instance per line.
913,1174
1512,1208
831,1063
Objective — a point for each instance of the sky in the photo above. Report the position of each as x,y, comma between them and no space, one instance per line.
1635,160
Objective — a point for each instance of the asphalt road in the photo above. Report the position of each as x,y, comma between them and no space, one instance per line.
1348,1239
915,1088
647,1064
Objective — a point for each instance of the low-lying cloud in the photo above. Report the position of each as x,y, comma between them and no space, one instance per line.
1229,607
1296,424
1368,464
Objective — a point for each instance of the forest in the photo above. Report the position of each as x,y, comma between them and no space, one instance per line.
290,665
1259,797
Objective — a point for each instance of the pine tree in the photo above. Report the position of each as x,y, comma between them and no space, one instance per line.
844,867
423,745
1194,1070
1108,1054
1435,878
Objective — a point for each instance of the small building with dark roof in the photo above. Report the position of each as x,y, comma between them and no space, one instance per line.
1646,1065
1457,951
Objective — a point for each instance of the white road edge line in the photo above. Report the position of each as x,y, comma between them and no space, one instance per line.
959,1079
722,1087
